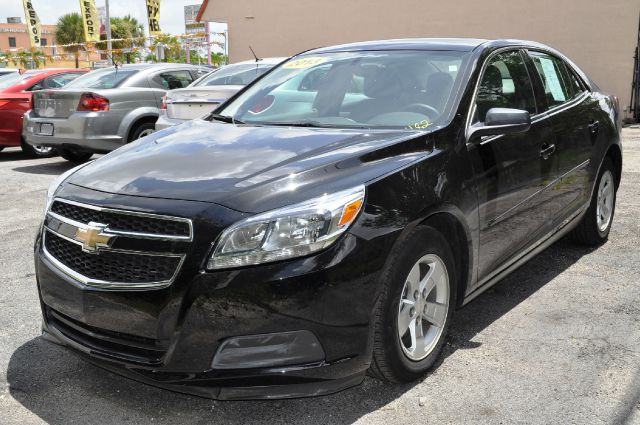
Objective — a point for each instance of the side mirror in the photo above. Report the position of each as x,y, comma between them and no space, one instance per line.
501,121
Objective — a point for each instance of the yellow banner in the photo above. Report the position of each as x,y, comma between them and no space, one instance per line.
153,12
91,20
33,23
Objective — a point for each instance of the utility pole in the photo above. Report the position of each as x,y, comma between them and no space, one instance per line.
206,29
107,26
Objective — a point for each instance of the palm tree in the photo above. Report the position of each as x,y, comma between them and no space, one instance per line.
69,30
129,28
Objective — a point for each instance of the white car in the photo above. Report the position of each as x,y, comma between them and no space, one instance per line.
206,93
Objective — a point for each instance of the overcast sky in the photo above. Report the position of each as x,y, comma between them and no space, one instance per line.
171,11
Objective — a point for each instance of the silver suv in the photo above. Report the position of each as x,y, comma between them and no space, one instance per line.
104,109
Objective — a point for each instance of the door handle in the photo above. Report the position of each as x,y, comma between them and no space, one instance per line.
594,126
547,150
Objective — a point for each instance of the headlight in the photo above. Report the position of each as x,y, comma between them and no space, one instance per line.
56,184
288,232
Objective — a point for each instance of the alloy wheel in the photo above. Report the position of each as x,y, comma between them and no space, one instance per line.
423,307
604,205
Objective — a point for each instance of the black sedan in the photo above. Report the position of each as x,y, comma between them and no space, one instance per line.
328,220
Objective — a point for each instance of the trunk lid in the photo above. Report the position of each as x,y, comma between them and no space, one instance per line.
56,103
195,102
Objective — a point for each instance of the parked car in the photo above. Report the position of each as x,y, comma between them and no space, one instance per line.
16,94
207,93
105,109
328,220
8,71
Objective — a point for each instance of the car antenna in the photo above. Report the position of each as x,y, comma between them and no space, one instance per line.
254,55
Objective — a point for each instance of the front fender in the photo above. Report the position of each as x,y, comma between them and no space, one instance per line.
134,115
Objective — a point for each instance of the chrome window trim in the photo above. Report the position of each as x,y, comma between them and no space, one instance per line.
141,235
103,284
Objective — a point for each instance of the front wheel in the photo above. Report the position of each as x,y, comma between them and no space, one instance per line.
37,151
75,156
596,224
415,308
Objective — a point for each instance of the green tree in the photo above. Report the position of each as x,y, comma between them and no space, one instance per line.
29,59
69,30
218,59
129,28
171,46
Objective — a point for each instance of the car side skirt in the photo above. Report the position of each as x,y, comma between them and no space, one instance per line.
543,243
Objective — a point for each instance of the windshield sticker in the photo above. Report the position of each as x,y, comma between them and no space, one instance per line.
304,63
419,125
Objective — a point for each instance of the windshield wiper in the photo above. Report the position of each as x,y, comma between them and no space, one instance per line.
315,124
225,118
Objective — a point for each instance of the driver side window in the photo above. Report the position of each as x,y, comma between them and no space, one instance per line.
505,83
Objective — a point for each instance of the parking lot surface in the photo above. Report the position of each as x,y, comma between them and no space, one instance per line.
558,341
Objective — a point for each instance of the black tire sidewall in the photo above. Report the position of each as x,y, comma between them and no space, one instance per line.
421,241
30,151
135,135
607,165
73,156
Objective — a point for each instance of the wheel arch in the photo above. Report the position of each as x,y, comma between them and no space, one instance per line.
615,154
453,227
135,118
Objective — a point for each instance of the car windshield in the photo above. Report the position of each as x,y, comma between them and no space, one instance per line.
369,89
238,74
102,79
9,80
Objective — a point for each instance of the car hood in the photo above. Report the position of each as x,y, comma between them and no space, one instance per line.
248,168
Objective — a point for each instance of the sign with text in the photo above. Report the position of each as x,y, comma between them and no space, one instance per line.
153,13
33,23
91,20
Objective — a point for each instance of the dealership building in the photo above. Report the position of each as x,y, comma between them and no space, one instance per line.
600,36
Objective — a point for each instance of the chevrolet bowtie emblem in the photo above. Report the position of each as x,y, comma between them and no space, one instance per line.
93,237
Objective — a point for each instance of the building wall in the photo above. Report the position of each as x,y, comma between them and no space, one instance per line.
19,31
22,41
600,36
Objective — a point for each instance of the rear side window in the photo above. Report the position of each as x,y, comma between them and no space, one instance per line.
102,79
60,80
560,85
171,80
505,83
231,75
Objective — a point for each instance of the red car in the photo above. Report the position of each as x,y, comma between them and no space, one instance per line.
15,99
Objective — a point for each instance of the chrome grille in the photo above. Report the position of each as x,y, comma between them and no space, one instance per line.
112,266
122,221
93,245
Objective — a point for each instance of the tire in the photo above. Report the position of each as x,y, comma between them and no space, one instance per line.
75,156
593,229
37,151
392,360
141,130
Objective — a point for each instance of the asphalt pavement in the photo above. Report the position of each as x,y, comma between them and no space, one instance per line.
556,342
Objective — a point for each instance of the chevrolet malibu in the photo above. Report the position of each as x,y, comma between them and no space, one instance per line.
329,219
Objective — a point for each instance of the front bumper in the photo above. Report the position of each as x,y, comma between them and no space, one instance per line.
85,131
169,337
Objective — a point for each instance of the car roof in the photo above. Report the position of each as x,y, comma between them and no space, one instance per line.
143,66
460,44
267,61
457,44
